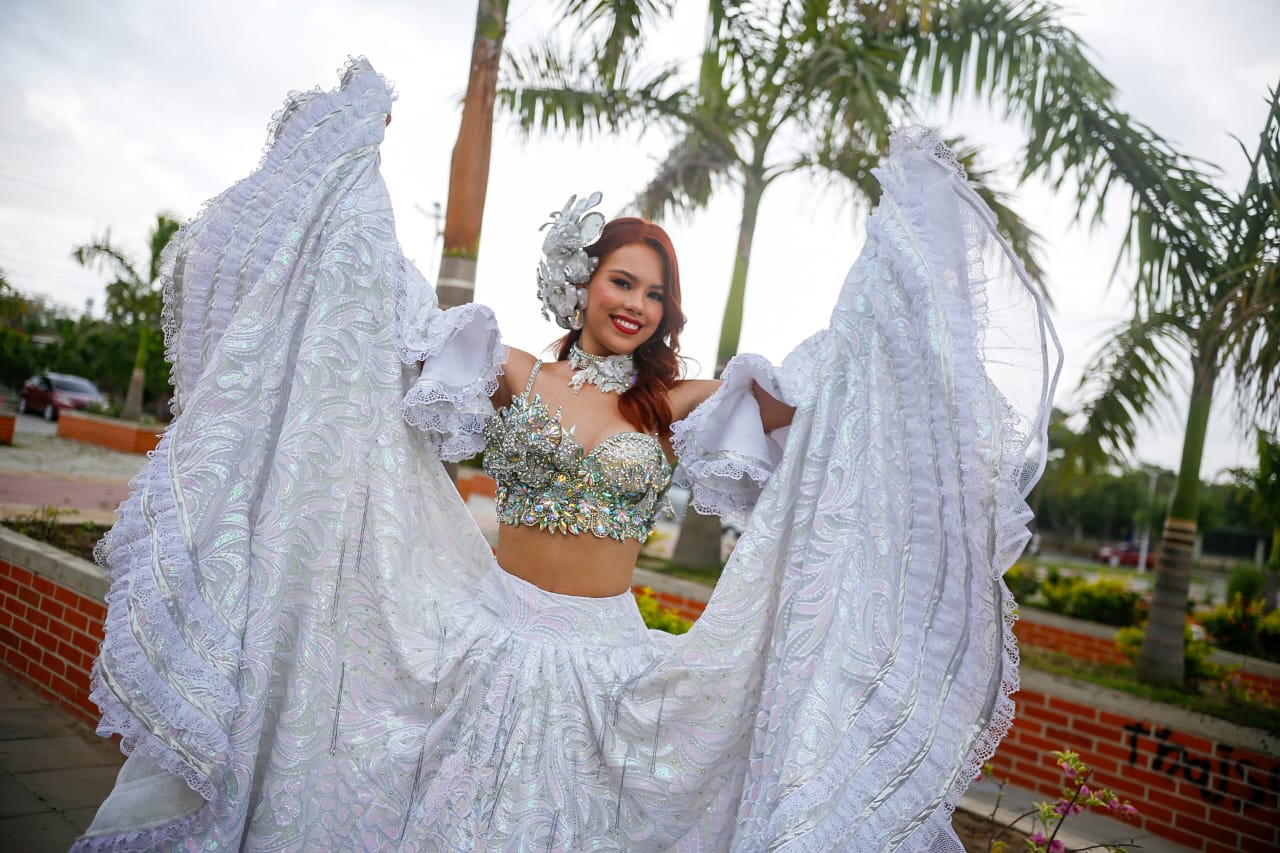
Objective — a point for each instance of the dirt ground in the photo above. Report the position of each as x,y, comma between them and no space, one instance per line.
975,833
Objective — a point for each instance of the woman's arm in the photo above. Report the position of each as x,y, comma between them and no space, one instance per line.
774,414
515,373
689,394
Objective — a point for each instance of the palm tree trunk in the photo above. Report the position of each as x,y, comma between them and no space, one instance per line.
1162,659
699,542
731,325
137,379
469,169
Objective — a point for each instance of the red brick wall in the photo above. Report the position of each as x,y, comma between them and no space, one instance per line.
49,636
1207,796
1074,643
1103,650
689,608
105,432
1263,685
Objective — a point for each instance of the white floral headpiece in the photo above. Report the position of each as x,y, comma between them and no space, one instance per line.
565,268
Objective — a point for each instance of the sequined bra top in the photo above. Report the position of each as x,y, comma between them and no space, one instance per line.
547,480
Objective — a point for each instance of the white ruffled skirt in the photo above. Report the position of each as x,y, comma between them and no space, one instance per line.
309,644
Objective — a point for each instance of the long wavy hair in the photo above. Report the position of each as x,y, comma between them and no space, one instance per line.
657,360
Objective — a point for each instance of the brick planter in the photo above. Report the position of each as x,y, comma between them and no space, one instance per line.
1199,781
111,433
51,615
6,428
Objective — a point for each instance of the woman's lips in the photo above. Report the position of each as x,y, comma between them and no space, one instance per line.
627,327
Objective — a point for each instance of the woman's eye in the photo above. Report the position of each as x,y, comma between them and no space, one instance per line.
622,282
657,297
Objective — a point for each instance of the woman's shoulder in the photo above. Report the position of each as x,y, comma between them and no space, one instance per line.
515,373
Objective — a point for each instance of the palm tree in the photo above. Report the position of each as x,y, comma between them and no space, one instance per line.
1222,314
787,87
621,21
132,299
469,169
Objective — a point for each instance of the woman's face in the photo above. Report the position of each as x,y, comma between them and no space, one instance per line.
625,301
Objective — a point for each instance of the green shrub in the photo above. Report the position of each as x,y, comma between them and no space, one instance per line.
1108,601
1057,591
1104,600
657,616
1246,582
1269,636
1022,580
1234,626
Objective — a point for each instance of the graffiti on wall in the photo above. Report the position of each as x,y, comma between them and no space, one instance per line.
1220,778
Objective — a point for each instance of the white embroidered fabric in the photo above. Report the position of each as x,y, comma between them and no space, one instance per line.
725,455
462,354
309,643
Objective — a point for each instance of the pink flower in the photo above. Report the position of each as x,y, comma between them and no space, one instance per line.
1057,847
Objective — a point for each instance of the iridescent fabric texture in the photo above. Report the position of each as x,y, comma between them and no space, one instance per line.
546,479
309,643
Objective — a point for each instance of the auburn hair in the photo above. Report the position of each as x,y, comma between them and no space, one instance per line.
657,360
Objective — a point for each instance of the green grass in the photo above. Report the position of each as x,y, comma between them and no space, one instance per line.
1255,714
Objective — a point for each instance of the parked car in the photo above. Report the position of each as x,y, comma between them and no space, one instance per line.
1123,554
47,394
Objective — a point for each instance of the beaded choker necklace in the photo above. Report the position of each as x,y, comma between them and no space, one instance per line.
614,373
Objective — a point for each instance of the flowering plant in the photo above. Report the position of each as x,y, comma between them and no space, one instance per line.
1047,818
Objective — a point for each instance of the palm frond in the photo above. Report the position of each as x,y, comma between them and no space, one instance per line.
104,255
850,80
687,177
1248,311
549,92
1128,377
614,26
847,160
1018,52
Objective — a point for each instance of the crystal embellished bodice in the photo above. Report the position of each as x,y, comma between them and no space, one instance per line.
546,478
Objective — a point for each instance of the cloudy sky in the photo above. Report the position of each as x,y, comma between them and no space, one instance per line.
115,111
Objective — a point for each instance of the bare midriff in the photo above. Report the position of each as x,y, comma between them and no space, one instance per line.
568,564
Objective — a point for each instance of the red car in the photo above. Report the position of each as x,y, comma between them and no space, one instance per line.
50,393
1123,555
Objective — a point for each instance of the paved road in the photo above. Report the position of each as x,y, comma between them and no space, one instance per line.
40,469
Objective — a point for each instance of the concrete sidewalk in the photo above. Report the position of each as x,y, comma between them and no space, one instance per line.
54,771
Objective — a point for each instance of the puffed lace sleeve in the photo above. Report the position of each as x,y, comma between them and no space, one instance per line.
726,457
461,354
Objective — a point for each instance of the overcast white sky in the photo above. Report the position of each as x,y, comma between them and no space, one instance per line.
115,111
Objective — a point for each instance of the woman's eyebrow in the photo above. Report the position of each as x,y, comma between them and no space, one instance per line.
633,278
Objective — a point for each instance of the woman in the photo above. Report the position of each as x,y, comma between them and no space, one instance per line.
310,645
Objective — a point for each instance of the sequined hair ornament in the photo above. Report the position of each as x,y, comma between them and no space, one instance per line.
565,268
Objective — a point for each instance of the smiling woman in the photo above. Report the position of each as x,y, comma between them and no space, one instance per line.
310,645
